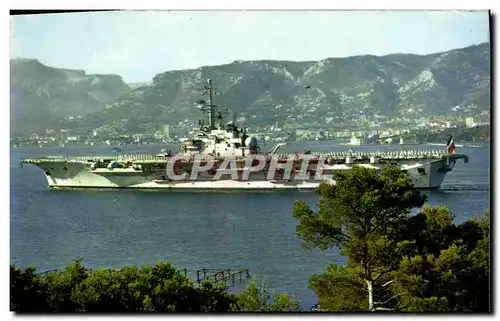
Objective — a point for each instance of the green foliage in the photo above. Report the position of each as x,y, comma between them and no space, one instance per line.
362,204
442,268
360,215
157,288
464,134
396,261
60,284
445,267
26,291
341,288
259,299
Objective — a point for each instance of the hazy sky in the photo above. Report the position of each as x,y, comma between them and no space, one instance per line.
139,44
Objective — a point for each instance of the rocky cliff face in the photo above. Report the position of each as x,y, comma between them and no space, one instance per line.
307,92
264,92
40,95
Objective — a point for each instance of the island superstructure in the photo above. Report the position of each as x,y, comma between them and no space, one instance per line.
224,156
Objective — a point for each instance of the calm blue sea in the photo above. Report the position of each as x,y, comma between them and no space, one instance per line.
194,230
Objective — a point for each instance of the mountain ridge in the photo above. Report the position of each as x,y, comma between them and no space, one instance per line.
311,92
312,61
41,95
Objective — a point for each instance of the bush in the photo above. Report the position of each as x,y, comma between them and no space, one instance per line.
157,288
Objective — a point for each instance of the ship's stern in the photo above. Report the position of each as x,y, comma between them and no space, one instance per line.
433,174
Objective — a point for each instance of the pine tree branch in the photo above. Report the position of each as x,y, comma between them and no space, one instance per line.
383,309
389,299
388,282
381,274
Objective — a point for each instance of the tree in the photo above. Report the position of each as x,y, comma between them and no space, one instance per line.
26,291
260,299
444,267
360,215
58,286
157,288
436,266
341,288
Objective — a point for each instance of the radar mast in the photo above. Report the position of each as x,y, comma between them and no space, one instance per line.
214,111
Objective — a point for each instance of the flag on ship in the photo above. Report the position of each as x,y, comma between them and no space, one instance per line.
450,145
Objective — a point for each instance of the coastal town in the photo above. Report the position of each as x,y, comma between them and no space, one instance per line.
388,130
